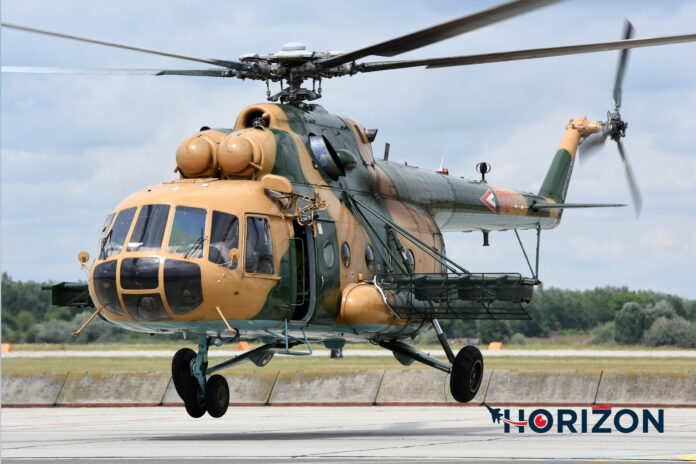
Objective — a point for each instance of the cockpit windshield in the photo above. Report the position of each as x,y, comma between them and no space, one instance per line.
224,236
112,243
149,230
187,237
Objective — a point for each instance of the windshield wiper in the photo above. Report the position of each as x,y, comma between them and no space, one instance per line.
197,244
107,238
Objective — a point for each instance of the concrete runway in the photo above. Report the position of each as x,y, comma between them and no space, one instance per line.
319,435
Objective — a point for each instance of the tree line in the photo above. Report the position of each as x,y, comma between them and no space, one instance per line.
606,315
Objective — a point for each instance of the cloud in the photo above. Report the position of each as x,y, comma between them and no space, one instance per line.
74,146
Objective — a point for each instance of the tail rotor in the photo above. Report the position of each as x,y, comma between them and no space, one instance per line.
615,127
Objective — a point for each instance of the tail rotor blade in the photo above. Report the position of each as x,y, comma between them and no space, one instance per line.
621,70
635,193
591,145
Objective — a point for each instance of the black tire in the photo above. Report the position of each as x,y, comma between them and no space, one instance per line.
181,369
467,374
217,396
190,397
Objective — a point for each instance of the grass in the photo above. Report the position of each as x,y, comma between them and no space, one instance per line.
324,363
172,346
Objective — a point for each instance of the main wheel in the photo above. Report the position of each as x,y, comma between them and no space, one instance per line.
181,369
190,397
217,396
467,374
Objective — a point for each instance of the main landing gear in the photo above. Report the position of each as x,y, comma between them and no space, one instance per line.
465,369
189,371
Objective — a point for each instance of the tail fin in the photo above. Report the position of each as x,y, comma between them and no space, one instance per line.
555,185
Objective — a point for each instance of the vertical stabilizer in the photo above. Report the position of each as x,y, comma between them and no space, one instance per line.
555,185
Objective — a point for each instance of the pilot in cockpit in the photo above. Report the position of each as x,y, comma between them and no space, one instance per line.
224,237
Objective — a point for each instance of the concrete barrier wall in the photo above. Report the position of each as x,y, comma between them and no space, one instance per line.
393,387
307,387
677,389
422,387
246,389
95,389
515,387
31,389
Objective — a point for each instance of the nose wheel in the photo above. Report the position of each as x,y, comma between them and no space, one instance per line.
213,398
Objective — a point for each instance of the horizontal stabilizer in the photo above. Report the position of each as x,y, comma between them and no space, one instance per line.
575,205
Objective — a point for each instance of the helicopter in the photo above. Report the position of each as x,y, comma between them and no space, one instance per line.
287,229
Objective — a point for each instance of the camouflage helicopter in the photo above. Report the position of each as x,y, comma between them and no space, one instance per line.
287,229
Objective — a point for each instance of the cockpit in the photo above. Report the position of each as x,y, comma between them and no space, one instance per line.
150,256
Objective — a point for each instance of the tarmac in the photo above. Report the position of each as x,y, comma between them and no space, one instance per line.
268,434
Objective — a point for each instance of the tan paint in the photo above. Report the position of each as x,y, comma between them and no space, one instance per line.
554,213
362,303
576,128
348,229
277,183
364,145
277,119
418,224
243,154
238,294
197,155
510,202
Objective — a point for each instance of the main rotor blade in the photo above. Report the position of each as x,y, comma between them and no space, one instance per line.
635,193
440,32
118,71
621,69
225,63
526,54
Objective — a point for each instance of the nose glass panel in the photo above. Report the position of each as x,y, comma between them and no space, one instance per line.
139,273
182,286
147,307
105,287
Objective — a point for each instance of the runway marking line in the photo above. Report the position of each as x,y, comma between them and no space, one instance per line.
685,457
89,422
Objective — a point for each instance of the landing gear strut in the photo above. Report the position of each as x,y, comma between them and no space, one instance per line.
189,371
465,369
199,395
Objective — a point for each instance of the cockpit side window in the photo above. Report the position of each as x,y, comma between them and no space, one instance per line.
259,247
224,236
107,224
149,230
187,237
112,243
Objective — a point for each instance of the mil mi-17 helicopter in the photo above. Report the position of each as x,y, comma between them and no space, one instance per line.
287,229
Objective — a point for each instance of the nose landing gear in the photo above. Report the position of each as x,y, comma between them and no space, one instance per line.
188,375
189,371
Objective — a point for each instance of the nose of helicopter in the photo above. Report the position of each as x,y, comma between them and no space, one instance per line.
172,253
144,284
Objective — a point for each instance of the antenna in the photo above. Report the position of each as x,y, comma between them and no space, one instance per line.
484,168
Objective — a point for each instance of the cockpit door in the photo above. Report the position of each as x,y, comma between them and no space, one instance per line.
304,265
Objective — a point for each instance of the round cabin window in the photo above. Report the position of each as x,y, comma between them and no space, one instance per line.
345,254
328,254
369,258
411,259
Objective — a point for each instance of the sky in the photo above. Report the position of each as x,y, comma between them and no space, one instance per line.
74,146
